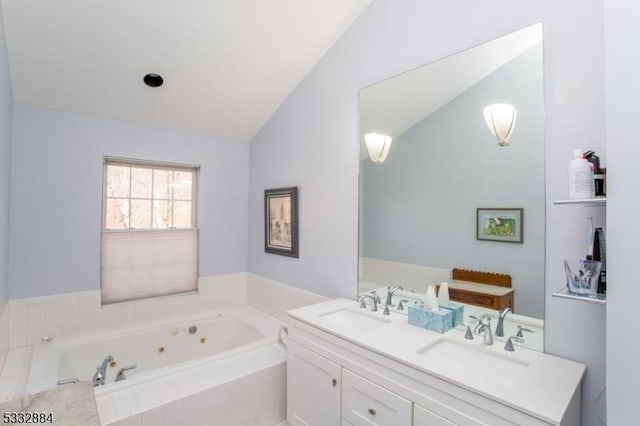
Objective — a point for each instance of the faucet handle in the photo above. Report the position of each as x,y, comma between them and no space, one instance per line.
120,376
509,345
521,329
401,304
468,334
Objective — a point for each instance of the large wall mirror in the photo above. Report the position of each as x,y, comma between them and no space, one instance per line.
450,195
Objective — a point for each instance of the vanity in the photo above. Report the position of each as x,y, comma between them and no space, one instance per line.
350,367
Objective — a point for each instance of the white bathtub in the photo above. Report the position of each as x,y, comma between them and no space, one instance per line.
172,364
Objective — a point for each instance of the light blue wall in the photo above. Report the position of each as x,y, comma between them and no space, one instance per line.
311,141
6,111
56,196
419,206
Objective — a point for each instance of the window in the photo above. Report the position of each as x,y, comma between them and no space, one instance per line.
149,232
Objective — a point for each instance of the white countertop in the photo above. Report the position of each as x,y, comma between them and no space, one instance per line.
542,389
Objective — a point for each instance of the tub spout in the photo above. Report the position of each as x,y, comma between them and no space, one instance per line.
120,376
101,371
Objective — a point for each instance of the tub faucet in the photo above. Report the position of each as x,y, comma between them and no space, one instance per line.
501,316
101,371
120,376
390,292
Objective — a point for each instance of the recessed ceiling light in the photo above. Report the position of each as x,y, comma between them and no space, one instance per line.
153,80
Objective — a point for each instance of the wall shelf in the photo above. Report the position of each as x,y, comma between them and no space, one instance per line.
564,293
600,201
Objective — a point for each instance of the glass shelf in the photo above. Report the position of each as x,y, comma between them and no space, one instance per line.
600,298
600,201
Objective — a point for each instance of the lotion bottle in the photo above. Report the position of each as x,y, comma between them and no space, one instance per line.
581,183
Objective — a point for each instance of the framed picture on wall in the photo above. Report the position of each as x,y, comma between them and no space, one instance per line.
499,224
281,221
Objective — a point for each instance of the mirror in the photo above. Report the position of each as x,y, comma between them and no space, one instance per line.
419,216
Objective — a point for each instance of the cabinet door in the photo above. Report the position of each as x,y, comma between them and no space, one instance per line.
424,417
365,403
313,388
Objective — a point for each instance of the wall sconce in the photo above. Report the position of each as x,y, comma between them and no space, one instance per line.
378,146
501,119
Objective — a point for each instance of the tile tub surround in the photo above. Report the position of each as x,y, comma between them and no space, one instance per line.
4,334
72,314
275,298
71,405
248,389
26,321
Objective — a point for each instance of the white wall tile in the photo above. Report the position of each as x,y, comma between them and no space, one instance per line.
4,334
78,313
172,412
275,298
152,417
147,397
132,421
125,404
106,410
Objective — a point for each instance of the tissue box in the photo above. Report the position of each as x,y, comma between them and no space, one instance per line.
439,321
457,311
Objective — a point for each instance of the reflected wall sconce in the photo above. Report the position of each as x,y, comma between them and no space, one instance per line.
501,119
378,146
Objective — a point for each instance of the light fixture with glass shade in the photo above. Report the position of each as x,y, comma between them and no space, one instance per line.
501,119
378,146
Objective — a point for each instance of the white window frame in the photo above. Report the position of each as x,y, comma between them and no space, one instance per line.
126,291
125,162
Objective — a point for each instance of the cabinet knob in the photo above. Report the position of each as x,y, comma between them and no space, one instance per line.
334,382
372,411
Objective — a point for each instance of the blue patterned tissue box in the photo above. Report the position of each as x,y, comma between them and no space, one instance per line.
457,311
439,321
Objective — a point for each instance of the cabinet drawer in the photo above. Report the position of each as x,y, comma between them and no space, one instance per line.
364,403
424,417
474,299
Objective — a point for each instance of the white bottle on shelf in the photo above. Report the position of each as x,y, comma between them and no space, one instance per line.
581,184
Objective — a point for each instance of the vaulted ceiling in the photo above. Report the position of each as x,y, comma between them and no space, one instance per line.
227,64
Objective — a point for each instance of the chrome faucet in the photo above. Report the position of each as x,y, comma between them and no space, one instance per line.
501,316
120,376
390,292
101,371
484,327
363,305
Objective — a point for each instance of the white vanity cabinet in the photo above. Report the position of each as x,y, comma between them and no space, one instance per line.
313,388
365,403
335,378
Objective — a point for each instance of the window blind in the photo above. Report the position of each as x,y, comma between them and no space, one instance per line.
142,264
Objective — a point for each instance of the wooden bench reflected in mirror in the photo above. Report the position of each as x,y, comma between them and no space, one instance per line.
486,289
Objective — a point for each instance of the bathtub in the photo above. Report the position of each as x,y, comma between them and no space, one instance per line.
177,362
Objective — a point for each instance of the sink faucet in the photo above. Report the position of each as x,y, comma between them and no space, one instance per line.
363,305
101,370
501,316
390,292
485,327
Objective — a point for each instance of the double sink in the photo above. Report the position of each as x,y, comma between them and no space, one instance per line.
469,359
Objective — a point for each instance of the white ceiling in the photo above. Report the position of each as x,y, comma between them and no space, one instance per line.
395,105
227,64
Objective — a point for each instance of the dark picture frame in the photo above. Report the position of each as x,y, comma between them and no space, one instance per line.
281,221
500,224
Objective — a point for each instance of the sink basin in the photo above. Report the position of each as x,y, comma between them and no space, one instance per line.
355,320
471,360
